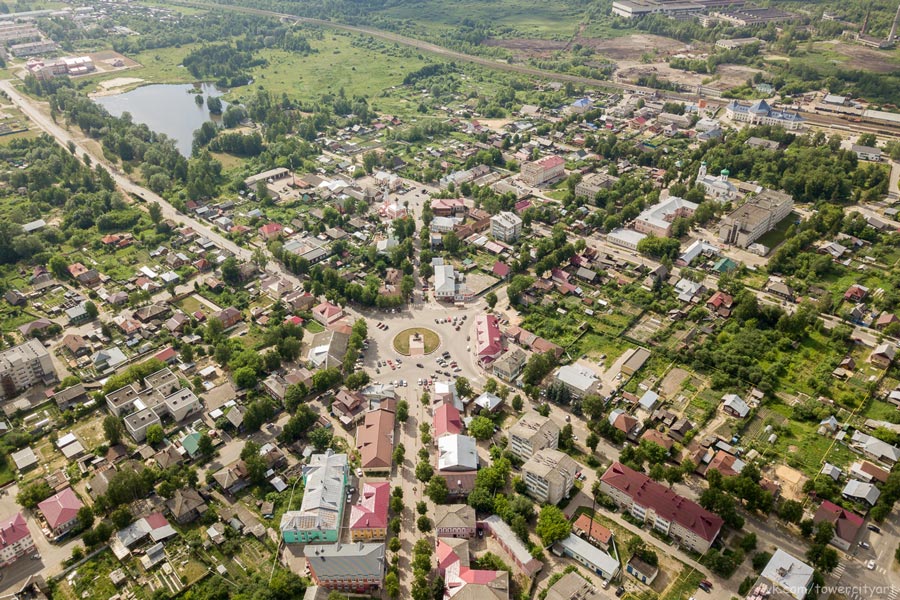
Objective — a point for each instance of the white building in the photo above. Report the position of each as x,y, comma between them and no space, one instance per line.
756,217
506,226
718,188
760,113
23,366
579,380
657,219
533,433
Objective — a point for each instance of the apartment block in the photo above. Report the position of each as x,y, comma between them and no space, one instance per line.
756,217
549,475
23,366
506,226
532,433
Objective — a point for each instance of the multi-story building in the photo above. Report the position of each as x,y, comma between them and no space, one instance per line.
760,113
33,48
357,567
549,475
23,366
138,422
369,516
532,433
322,510
756,217
15,539
506,226
543,171
657,219
375,441
667,512
463,582
592,184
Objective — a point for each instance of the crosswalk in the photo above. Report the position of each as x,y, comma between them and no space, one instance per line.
839,571
892,595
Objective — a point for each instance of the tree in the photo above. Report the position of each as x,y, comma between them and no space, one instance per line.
35,492
402,411
320,438
437,490
399,454
517,403
294,395
91,309
245,378
592,440
491,299
552,525
481,428
423,524
593,406
155,434
463,388
205,446
391,583
791,511
84,518
155,211
112,429
424,471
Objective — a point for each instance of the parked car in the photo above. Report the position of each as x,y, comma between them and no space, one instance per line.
875,528
870,565
864,545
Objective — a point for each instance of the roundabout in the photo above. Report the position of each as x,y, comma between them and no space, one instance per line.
416,341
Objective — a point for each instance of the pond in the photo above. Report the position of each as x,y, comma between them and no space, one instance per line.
165,108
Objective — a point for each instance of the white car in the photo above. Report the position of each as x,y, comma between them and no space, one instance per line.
870,565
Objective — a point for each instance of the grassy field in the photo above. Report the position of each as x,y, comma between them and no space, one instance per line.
314,327
160,65
336,64
401,340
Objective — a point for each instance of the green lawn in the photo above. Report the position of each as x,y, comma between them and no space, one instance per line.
401,340
314,327
774,238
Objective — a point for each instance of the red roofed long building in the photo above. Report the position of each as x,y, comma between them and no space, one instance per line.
463,582
488,339
369,517
60,511
15,539
669,513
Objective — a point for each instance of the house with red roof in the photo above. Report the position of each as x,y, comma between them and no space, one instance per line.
593,531
327,313
500,269
447,420
452,556
673,515
369,516
15,539
720,303
488,339
271,231
60,512
846,524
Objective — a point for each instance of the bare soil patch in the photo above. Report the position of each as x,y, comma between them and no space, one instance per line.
672,382
867,59
633,46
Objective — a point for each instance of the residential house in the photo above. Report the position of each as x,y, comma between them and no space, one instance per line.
70,396
857,491
327,313
232,478
229,317
624,422
137,423
883,355
593,531
671,514
60,512
846,524
348,406
734,405
875,448
23,366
